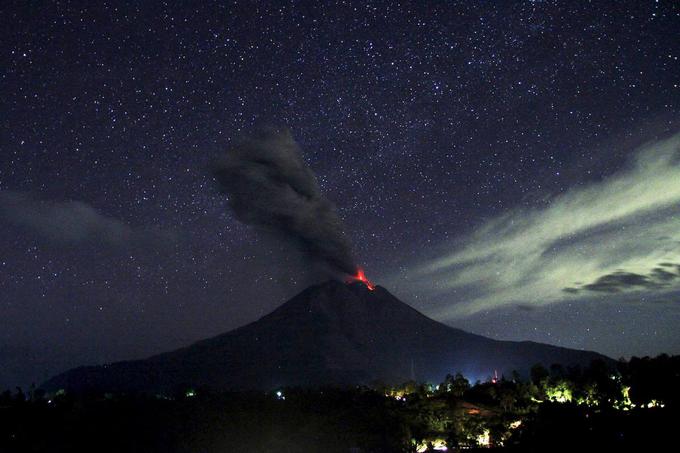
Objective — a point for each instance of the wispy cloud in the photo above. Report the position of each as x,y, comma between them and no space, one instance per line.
72,222
621,235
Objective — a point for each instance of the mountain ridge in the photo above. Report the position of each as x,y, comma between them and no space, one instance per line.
331,333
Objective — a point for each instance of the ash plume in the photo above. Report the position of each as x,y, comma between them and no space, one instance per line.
270,186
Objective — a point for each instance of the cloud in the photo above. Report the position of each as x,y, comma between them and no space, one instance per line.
663,275
621,235
621,281
269,185
71,222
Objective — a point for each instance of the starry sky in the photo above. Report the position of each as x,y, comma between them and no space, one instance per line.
507,167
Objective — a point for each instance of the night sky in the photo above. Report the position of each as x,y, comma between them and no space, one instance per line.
510,168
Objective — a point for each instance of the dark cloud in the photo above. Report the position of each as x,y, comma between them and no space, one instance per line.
269,185
621,281
663,275
72,222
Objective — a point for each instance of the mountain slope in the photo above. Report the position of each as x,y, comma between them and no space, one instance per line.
333,333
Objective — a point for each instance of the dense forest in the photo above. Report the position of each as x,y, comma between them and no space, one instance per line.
634,405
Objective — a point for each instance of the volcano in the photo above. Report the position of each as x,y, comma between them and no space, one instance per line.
332,333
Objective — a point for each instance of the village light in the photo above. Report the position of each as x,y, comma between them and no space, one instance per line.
516,424
560,393
484,439
436,444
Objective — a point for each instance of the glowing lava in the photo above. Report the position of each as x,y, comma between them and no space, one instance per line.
362,278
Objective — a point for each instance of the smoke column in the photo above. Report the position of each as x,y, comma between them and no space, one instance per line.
270,186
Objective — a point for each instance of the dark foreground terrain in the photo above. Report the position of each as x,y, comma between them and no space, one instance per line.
633,407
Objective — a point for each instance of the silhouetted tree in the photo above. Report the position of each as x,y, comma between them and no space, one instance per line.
538,374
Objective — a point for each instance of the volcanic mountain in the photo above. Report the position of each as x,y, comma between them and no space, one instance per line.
332,333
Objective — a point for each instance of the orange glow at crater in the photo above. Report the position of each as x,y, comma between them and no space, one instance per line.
360,276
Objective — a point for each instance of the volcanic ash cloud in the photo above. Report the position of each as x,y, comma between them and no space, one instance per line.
270,186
